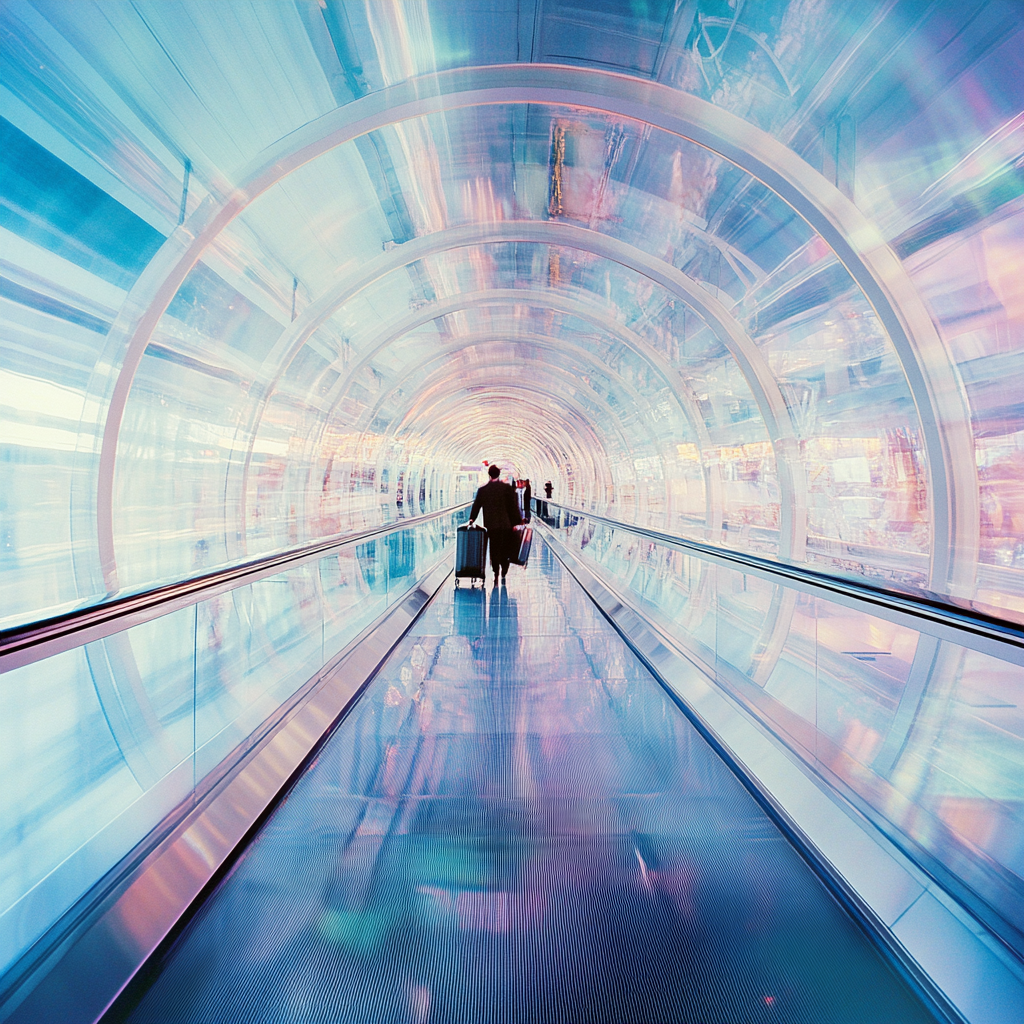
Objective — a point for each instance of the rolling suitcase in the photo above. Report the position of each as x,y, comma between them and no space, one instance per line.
524,536
470,553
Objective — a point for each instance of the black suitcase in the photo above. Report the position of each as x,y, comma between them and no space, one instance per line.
524,536
470,553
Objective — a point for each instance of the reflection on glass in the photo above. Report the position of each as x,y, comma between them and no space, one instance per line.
99,744
305,378
929,736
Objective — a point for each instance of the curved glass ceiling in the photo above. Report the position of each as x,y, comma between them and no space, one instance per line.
749,273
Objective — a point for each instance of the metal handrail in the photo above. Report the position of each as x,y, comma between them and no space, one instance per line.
33,641
931,609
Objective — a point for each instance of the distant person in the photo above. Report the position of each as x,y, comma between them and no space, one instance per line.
527,498
547,497
500,507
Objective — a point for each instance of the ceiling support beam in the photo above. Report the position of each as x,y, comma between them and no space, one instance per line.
932,377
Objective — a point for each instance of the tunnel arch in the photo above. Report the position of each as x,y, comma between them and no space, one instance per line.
186,188
531,399
509,337
735,338
590,312
463,344
873,266
464,432
746,354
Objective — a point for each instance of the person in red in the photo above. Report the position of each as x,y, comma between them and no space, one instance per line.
500,507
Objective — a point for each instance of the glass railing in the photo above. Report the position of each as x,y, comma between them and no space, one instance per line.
22,603
105,730
912,712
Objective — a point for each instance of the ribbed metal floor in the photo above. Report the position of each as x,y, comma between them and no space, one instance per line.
516,824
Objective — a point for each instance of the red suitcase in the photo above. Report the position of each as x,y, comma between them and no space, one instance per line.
524,535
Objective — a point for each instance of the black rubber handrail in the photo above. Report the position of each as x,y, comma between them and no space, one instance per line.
920,606
157,601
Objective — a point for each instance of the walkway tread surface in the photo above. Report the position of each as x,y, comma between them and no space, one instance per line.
515,823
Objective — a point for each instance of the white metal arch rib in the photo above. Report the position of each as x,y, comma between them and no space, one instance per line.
528,396
486,339
590,312
561,446
464,432
553,438
748,357
463,342
934,383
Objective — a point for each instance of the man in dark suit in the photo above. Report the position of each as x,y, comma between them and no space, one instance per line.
501,515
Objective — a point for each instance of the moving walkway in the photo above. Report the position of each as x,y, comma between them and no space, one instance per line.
552,801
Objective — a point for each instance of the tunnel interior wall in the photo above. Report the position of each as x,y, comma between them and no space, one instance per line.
750,274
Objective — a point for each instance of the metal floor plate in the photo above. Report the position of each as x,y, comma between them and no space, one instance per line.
516,823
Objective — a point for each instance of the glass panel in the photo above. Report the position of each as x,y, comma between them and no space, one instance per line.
95,750
243,668
100,743
674,341
924,736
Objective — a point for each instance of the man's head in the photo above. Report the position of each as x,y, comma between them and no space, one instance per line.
493,472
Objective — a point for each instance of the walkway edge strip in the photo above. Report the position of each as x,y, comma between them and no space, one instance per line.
964,627
81,982
36,641
937,940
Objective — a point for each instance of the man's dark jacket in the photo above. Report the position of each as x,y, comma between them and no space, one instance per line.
500,506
